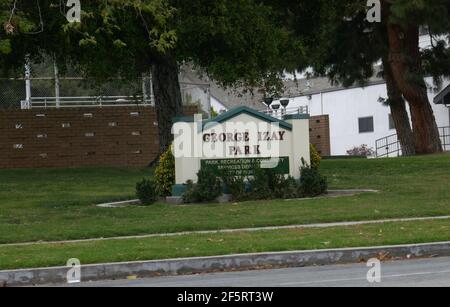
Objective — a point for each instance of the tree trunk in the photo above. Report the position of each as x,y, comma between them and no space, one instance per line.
398,112
404,57
168,103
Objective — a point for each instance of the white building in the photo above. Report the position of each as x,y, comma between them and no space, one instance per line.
356,116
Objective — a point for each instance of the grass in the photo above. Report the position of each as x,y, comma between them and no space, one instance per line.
219,244
59,204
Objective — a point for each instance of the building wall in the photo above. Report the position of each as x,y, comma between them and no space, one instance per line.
217,106
79,137
345,107
320,134
199,95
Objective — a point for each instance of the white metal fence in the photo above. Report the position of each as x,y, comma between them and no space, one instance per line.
100,101
281,112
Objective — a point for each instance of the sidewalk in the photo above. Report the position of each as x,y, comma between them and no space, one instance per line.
320,225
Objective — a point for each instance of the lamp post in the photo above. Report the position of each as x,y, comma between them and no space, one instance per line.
268,101
276,107
285,103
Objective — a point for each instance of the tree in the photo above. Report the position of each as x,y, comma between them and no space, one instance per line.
236,42
405,57
344,46
398,112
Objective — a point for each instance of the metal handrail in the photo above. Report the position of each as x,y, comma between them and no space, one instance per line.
86,101
385,147
288,111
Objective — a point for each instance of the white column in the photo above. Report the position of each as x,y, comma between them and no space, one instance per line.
57,84
28,82
152,95
300,142
144,90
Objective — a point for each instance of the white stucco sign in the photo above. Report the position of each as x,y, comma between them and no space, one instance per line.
236,140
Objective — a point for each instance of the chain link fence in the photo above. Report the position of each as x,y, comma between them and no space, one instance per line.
13,91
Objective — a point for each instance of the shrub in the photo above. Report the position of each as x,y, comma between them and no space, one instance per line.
236,186
147,191
287,188
260,183
191,195
264,184
165,173
207,189
361,151
315,157
312,183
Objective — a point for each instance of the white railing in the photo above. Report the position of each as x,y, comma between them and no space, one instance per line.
288,111
390,146
87,101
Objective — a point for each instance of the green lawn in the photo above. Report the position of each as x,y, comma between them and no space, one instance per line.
220,244
59,204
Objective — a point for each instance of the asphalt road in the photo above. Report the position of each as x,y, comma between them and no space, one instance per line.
409,273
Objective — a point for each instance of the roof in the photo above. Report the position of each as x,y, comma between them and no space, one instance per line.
236,112
232,98
443,97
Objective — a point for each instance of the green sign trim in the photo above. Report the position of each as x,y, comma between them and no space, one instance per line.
245,166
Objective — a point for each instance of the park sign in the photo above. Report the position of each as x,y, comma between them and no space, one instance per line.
233,143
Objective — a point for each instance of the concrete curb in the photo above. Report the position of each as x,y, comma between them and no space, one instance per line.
143,269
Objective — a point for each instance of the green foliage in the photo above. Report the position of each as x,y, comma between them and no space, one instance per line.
214,113
147,191
236,186
261,183
207,189
237,42
5,46
315,157
191,194
165,173
265,184
312,183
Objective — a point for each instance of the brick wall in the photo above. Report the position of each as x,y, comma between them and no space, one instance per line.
320,134
79,137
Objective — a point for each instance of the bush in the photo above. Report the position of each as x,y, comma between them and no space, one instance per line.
236,186
312,183
361,151
165,173
260,183
191,194
147,191
264,184
315,157
207,189
287,189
